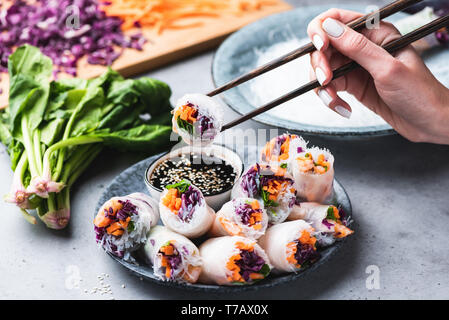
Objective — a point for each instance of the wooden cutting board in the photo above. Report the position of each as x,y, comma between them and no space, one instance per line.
170,46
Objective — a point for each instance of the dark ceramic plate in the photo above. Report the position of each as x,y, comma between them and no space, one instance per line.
237,55
132,180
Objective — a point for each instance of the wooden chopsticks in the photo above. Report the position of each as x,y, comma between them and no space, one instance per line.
391,47
357,24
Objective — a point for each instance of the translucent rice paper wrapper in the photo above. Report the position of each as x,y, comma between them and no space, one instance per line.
312,187
206,106
272,151
191,263
249,186
216,253
276,239
201,221
147,217
229,223
316,214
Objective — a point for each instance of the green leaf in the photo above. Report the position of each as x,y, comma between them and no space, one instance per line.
284,166
265,270
181,186
29,73
330,214
154,94
266,201
146,138
131,226
185,125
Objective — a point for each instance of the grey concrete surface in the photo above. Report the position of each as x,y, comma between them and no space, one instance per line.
398,191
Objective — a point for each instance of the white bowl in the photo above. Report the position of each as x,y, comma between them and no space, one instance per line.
215,201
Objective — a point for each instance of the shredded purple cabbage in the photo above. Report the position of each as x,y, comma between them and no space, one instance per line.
245,210
205,126
250,262
299,150
306,253
52,26
190,199
174,260
327,224
99,233
127,210
250,181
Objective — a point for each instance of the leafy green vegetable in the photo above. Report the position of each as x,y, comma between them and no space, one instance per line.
267,202
265,270
330,214
185,125
284,166
181,186
53,130
131,226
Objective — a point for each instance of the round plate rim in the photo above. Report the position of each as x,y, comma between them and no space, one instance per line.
270,282
231,97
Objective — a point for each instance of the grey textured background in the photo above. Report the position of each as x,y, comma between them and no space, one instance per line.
399,196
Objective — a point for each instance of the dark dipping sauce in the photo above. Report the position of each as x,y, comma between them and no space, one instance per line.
210,174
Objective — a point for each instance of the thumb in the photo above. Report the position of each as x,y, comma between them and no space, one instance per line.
354,45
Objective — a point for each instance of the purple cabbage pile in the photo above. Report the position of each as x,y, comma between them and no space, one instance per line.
174,261
244,210
306,253
190,199
250,262
205,126
250,181
65,31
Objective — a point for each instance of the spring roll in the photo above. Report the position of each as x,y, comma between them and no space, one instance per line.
244,217
173,256
313,172
329,223
184,210
272,186
280,150
290,246
122,223
233,261
197,119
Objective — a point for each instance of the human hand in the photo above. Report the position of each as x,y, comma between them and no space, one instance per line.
399,88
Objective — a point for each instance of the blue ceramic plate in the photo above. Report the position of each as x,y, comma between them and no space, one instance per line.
132,180
237,55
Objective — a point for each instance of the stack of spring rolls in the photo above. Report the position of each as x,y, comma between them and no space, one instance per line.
280,215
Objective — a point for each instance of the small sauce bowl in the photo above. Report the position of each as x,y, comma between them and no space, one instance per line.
216,197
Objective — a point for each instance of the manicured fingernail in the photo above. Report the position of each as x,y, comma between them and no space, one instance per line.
325,97
318,42
320,75
333,27
343,112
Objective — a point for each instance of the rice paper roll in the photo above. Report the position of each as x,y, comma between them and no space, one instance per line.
184,210
280,150
244,217
197,118
328,221
173,256
122,223
290,246
272,186
313,172
233,261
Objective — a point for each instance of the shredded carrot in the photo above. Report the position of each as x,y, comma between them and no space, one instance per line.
172,200
308,164
176,14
